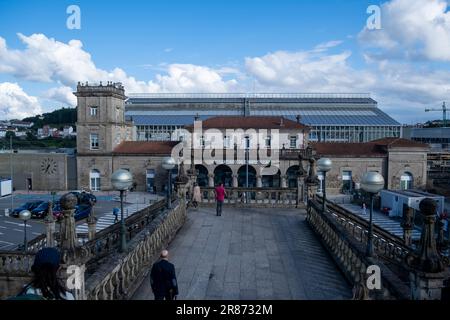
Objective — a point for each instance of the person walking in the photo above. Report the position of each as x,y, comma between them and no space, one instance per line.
116,214
364,209
45,284
163,279
196,195
220,197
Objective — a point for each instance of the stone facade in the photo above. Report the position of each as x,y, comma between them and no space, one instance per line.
390,158
41,171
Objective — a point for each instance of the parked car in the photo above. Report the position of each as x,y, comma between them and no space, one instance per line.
85,197
26,206
42,210
82,211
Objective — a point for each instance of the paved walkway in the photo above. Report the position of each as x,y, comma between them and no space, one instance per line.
251,253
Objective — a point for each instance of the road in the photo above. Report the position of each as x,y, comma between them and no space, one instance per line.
12,229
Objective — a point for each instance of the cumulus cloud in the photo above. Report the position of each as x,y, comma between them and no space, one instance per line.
308,71
15,103
412,29
61,94
48,60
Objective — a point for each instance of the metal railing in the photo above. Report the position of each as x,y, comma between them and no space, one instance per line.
261,95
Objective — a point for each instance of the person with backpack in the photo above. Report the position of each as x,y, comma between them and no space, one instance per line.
163,279
45,284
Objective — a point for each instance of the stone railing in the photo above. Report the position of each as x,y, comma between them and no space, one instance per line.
15,272
387,246
254,197
125,273
37,243
346,245
107,240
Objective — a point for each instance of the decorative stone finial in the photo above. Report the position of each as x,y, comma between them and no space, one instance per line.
68,201
428,207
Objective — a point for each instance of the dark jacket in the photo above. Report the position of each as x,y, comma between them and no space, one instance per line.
163,278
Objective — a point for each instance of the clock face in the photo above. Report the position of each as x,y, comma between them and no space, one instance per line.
49,166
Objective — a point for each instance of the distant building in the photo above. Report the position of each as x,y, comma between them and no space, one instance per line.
331,117
106,140
67,131
437,138
21,124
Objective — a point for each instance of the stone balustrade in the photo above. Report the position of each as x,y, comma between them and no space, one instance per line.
257,197
345,242
127,272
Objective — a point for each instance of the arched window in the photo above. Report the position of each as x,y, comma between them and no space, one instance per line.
94,178
202,175
406,181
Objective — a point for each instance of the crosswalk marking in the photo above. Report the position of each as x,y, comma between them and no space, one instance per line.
102,223
17,224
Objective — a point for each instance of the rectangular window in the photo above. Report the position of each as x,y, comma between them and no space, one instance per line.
94,141
226,142
268,141
293,142
347,182
93,111
247,142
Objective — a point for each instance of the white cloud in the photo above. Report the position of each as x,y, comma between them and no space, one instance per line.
412,29
193,78
15,103
47,60
308,71
61,94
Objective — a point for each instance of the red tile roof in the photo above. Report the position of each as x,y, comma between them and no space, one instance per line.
376,148
251,122
145,147
399,142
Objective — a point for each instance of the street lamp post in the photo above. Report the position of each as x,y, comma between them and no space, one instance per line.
168,163
122,180
372,183
25,215
324,165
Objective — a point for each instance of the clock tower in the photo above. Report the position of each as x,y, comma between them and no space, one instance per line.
101,126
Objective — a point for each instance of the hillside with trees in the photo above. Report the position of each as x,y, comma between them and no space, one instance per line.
55,119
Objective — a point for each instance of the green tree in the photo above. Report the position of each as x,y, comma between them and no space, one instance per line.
10,134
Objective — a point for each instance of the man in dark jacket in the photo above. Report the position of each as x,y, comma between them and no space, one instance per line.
163,279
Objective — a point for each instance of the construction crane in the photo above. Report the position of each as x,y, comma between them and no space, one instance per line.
444,114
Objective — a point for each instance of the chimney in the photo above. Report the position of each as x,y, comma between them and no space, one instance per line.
281,122
298,117
196,117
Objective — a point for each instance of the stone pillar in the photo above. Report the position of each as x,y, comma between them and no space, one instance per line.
427,266
284,181
235,180
50,226
74,257
300,189
259,181
68,231
408,225
92,225
211,180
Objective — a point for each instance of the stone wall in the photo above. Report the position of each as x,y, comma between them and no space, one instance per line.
413,162
32,166
358,166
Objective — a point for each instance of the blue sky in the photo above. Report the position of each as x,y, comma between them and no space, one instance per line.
205,46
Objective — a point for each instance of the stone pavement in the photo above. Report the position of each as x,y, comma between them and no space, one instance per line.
251,253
